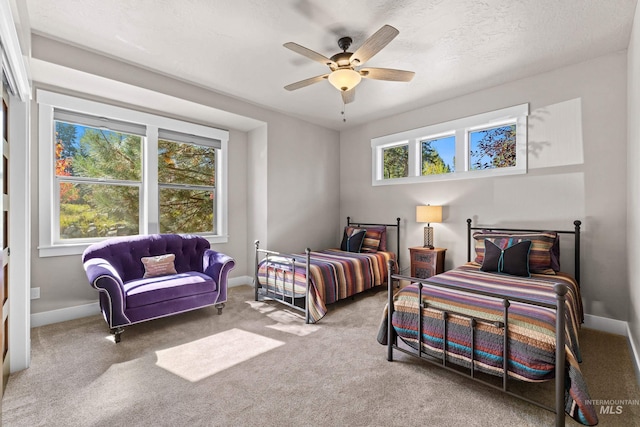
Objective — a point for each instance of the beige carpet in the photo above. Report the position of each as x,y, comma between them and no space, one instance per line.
258,365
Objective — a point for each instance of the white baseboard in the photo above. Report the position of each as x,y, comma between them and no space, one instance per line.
79,311
604,324
239,281
635,353
64,314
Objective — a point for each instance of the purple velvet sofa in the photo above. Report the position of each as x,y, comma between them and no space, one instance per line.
114,267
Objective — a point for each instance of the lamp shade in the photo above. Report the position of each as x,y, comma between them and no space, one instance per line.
429,214
344,79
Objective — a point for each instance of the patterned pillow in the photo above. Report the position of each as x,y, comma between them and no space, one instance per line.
383,236
352,239
371,242
160,265
555,249
513,260
540,254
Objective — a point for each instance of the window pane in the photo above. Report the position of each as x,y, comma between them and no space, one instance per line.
98,210
396,162
181,163
493,148
438,155
186,211
88,152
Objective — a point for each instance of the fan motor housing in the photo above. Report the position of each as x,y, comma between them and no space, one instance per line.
342,59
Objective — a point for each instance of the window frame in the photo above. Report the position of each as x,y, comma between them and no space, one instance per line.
460,128
49,242
166,135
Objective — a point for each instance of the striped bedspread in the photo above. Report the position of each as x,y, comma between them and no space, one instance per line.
531,328
335,275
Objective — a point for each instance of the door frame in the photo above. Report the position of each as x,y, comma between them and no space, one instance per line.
13,67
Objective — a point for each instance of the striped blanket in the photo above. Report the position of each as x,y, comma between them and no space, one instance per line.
335,275
531,328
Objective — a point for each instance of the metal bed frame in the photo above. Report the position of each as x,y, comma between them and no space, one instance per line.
285,263
560,290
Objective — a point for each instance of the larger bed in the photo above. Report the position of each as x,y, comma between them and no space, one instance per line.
514,289
309,282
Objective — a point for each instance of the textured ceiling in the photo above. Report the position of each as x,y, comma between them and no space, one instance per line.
235,46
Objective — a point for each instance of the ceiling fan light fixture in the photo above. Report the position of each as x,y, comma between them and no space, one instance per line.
344,79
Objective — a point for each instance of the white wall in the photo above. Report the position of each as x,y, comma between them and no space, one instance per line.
581,106
268,166
633,178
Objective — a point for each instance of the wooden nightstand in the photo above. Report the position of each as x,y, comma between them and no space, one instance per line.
426,262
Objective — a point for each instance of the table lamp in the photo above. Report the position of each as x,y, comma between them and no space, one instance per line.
428,214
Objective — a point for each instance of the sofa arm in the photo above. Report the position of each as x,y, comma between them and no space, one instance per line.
218,265
104,278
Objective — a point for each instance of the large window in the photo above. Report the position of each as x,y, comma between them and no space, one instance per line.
488,144
187,184
98,177
108,171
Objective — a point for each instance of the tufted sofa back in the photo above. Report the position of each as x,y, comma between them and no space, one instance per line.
125,253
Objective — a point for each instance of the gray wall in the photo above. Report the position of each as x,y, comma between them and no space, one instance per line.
577,160
262,199
303,187
633,208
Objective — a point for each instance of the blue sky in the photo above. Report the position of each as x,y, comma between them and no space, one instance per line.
446,148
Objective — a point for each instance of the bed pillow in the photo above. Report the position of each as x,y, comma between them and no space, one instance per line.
542,255
372,239
383,236
352,239
512,260
555,249
161,265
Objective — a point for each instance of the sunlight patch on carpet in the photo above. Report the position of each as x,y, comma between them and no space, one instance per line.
200,359
289,321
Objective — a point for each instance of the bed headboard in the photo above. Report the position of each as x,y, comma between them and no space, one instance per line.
396,225
575,232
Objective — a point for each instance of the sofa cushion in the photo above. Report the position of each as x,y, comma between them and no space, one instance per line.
165,288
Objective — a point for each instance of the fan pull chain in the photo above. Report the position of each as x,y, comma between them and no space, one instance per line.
343,112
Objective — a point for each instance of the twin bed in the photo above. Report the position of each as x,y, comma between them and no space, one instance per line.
511,298
308,282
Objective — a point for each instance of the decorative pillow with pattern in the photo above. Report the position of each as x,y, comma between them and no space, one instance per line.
555,249
352,239
512,260
543,245
161,265
371,242
383,235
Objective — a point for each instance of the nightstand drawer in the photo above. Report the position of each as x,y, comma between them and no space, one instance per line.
425,257
426,262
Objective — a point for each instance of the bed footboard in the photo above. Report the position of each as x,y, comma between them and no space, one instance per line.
560,356
277,287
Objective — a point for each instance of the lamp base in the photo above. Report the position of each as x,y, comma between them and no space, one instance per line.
428,237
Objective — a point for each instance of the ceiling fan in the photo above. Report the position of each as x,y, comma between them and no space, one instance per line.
345,72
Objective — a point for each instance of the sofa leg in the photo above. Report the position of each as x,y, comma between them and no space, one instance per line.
116,333
220,307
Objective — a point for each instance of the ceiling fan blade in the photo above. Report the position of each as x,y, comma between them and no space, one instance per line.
348,95
313,55
373,45
387,74
306,82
